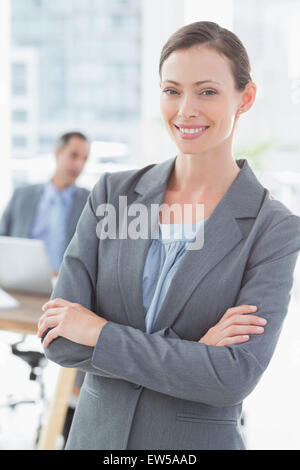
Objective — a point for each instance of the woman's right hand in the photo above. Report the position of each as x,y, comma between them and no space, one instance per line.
234,327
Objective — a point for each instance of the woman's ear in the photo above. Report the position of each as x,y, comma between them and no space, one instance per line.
248,98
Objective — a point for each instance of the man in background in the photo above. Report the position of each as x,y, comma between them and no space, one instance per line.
50,212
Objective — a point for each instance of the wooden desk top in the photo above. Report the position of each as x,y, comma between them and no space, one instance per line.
24,318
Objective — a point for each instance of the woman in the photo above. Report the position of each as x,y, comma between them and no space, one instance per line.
167,330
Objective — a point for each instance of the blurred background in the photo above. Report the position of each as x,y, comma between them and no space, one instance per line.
92,66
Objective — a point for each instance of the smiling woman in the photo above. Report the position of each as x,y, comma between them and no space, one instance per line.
205,88
168,336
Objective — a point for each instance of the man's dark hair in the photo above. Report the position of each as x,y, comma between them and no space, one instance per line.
63,140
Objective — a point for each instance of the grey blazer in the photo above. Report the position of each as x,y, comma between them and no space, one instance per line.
165,390
18,217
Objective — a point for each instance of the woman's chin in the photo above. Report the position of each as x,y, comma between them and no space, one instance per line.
188,152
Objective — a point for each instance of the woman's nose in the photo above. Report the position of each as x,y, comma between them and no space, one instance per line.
188,108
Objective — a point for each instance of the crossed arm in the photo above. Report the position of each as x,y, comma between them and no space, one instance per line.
78,331
219,369
216,375
80,325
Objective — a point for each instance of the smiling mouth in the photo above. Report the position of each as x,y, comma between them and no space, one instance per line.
191,132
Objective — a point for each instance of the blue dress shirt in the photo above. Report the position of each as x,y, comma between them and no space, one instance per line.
50,222
163,258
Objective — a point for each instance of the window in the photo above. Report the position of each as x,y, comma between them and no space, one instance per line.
19,141
19,116
19,79
79,47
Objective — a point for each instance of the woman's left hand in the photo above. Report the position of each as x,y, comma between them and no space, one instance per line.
69,320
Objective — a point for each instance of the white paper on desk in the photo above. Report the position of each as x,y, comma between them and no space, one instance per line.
7,301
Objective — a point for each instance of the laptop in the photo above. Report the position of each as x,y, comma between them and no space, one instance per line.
24,266
7,301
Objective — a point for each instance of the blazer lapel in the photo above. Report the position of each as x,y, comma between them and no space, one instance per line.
221,235
132,253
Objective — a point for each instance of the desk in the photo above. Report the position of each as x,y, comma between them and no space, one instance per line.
23,319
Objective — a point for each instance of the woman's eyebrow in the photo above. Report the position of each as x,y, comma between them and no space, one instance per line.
201,82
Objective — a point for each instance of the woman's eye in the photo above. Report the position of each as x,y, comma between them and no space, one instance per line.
208,92
168,91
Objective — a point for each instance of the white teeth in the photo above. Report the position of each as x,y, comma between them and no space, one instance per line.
192,131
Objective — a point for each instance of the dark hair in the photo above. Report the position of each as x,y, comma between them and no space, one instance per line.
213,36
65,138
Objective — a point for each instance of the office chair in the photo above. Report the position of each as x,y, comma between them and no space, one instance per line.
36,361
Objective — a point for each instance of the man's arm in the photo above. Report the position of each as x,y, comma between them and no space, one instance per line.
6,219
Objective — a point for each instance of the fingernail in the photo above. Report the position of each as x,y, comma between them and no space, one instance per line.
253,307
259,328
262,321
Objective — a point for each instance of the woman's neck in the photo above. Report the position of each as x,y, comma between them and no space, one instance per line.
200,177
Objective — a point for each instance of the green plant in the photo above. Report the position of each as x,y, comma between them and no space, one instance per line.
253,154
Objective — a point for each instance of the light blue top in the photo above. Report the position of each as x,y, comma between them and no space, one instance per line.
163,258
50,222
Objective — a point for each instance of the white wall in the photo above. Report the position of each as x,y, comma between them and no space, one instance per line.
160,18
5,108
219,11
